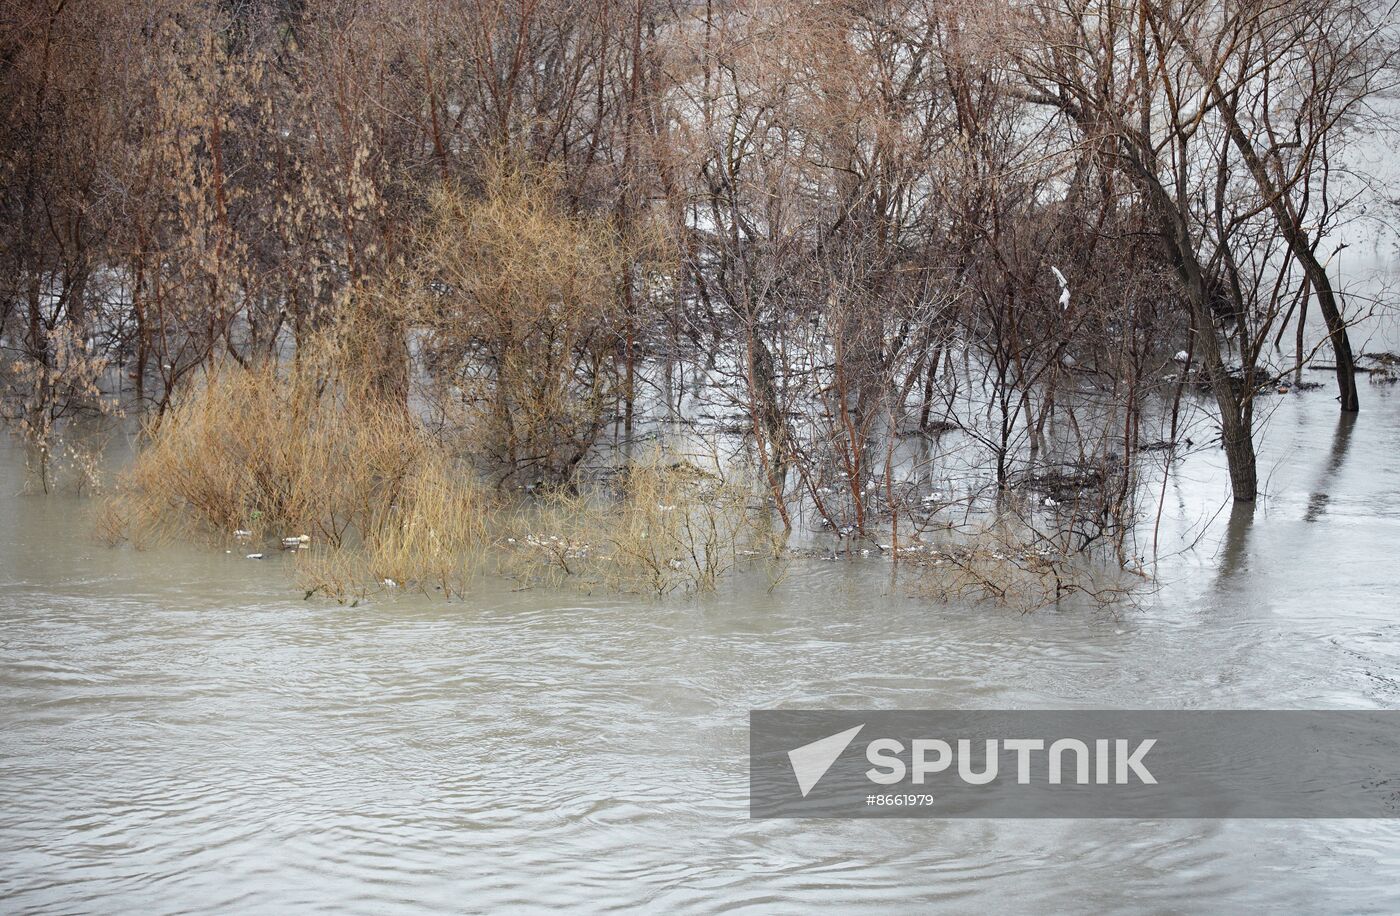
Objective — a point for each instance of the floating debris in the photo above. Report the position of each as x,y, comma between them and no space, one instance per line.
254,556
1066,482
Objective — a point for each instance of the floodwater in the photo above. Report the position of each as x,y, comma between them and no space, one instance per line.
180,731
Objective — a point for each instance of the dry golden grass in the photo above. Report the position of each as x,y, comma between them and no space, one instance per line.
258,455
430,538
285,454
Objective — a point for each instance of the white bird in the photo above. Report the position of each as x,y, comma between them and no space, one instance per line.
390,583
1050,502
1181,356
1064,288
254,556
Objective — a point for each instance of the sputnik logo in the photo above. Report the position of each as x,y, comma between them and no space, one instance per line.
811,761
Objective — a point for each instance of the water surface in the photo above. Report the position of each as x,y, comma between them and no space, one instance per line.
179,731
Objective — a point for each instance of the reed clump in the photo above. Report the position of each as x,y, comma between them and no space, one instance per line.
261,454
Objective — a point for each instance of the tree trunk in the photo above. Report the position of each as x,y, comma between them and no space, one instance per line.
1236,416
1290,226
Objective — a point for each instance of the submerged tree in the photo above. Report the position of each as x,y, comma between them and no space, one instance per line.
878,220
1138,89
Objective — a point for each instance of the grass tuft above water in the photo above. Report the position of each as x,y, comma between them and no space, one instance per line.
305,459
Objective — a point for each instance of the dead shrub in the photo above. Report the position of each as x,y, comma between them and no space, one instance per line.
53,400
1007,562
522,316
665,525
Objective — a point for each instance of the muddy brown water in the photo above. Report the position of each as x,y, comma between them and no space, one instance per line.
180,732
